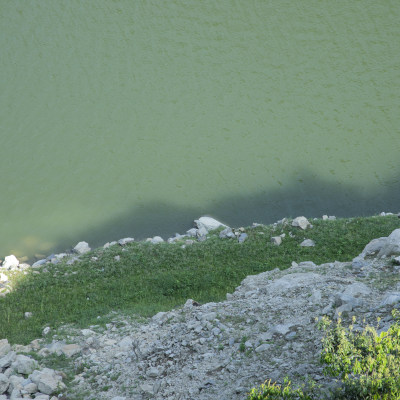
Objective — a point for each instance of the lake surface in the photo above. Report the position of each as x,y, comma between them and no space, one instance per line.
132,118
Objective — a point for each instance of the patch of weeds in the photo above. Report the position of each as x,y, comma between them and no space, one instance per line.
242,347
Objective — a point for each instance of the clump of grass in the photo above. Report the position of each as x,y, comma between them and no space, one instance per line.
150,278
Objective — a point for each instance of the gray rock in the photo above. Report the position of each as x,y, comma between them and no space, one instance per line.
118,398
82,248
276,240
70,350
10,262
24,365
153,372
389,299
39,263
227,233
202,231
373,247
301,222
242,237
123,242
392,245
192,232
4,383
3,277
263,347
4,347
307,243
7,360
47,381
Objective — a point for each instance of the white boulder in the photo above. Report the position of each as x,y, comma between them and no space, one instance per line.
82,248
301,222
208,223
10,262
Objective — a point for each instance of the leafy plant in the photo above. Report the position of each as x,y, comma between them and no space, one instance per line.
368,363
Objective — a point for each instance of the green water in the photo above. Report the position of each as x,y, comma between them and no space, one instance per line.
135,117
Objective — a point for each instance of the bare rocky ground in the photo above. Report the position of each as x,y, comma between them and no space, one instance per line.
266,329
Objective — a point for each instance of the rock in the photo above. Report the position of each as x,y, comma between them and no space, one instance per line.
10,262
153,372
307,243
117,258
118,398
227,233
242,237
39,263
391,245
28,314
47,381
276,240
209,223
202,231
7,360
192,232
70,350
373,247
82,248
301,222
109,244
390,299
3,277
262,348
157,239
397,260
46,331
4,383
24,365
123,242
4,347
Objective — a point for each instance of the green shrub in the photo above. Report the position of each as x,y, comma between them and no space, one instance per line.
367,363
274,391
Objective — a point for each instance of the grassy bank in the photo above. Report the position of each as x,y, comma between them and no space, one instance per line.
149,278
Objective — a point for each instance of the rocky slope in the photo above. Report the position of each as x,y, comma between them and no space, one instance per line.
265,330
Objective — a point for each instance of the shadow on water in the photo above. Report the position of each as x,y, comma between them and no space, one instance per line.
310,196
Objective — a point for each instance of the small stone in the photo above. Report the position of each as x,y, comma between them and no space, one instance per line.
262,348
28,314
10,262
123,242
307,243
46,331
4,347
117,258
242,237
70,350
153,372
3,277
39,263
276,240
227,233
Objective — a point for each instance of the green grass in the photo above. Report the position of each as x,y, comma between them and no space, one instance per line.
151,278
